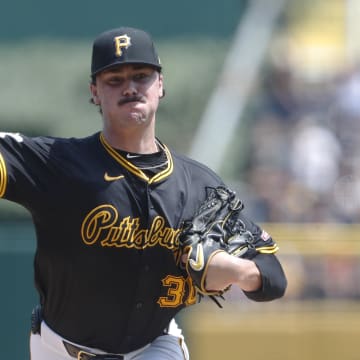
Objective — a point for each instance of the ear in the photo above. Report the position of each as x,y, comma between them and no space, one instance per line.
94,94
161,86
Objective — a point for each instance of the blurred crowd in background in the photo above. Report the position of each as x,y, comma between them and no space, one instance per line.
303,166
304,158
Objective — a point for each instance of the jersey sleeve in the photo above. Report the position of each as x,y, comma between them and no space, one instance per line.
23,166
263,242
273,278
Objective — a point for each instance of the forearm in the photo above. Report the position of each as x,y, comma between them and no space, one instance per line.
225,270
261,279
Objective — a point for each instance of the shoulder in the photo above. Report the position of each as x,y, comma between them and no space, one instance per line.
64,146
19,139
17,142
47,149
72,141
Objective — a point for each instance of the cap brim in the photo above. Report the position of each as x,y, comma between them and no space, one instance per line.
121,63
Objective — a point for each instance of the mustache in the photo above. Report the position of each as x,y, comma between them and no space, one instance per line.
129,99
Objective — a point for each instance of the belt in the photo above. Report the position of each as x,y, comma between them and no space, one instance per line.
80,354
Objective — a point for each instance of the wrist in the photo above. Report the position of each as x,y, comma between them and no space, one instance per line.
248,276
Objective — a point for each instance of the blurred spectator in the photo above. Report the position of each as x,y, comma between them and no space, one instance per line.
304,148
342,277
314,156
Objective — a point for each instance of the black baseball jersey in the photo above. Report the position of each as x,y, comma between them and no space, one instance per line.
106,264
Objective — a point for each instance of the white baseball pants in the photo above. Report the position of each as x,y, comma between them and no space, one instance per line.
49,346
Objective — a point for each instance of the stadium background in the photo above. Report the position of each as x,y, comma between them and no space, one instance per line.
293,156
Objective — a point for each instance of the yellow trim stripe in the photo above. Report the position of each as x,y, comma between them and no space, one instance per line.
3,176
268,249
166,172
120,159
135,170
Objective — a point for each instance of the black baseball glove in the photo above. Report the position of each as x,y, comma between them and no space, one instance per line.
215,227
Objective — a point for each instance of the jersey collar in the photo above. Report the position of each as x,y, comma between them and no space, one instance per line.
135,170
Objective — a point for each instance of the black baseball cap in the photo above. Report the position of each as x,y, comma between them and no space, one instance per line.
124,45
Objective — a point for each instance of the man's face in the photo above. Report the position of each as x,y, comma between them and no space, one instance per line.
128,94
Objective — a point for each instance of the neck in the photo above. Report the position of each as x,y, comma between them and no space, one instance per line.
143,143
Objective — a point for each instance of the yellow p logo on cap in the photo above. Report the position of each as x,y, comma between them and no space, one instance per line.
122,41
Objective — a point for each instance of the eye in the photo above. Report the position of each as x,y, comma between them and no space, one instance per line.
141,77
115,80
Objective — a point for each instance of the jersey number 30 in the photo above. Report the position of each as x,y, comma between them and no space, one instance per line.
176,291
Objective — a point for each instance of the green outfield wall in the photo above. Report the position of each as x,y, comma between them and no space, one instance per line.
17,247
85,18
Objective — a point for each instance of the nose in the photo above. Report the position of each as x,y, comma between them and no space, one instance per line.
130,88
